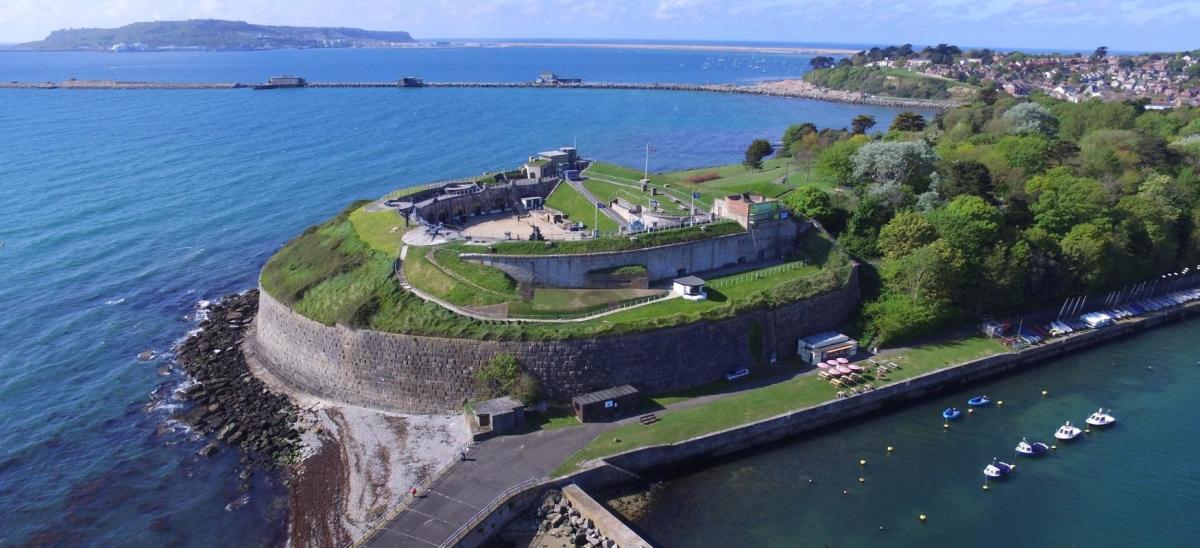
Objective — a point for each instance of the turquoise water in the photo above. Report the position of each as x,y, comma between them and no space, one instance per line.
1135,484
119,210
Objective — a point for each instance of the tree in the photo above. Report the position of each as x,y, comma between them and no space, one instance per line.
795,132
1063,200
969,225
1100,53
905,233
908,121
1025,118
987,93
835,162
971,178
1062,151
815,204
821,62
861,123
758,149
904,162
1091,252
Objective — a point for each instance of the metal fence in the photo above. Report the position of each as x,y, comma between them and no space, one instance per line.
758,274
487,510
406,501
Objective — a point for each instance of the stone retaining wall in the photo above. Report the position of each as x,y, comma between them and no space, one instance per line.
770,240
414,374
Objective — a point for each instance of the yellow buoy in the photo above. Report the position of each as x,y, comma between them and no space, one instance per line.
969,411
1088,430
1044,393
890,449
844,492
947,425
1054,447
862,480
921,517
1001,402
985,487
862,462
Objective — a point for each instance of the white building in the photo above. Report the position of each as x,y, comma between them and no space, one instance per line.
690,288
817,348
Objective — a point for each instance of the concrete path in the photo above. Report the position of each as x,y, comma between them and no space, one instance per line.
500,463
491,468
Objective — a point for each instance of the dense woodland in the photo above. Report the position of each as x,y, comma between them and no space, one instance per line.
1004,205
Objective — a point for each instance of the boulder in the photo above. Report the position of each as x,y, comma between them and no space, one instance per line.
208,450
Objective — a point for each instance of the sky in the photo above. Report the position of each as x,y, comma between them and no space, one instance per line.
1126,25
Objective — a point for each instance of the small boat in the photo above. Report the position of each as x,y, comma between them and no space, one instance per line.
1067,432
1100,418
1032,449
979,401
951,413
997,469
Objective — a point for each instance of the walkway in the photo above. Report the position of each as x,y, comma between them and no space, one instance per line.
495,465
607,211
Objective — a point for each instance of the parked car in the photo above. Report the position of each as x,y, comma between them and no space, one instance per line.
737,374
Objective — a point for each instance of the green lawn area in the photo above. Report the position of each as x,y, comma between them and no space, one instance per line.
768,401
551,300
381,230
455,280
577,208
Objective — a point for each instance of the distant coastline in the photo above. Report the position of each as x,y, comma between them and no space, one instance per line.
801,50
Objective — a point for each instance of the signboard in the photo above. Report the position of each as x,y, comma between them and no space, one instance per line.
609,404
763,211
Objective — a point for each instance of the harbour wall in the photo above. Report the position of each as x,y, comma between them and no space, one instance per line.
769,240
625,468
418,374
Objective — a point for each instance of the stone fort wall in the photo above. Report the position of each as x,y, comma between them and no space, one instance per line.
770,240
415,374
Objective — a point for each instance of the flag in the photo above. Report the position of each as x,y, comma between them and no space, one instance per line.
600,205
695,195
653,150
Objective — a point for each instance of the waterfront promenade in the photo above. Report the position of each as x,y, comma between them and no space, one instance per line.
794,89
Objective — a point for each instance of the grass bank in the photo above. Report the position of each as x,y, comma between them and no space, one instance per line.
570,202
624,243
761,403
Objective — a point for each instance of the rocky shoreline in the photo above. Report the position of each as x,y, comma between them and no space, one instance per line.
231,404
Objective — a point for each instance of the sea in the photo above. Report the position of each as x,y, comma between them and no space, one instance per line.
121,210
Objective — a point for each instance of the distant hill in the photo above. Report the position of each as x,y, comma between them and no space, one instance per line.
213,34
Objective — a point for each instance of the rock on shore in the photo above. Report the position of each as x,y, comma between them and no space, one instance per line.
231,404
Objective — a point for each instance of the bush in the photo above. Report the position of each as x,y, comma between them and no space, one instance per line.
703,177
502,376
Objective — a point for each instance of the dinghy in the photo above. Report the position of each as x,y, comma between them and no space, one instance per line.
1032,449
979,401
951,413
1067,432
997,469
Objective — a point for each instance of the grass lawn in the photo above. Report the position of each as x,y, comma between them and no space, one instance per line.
456,281
381,230
577,208
550,300
768,401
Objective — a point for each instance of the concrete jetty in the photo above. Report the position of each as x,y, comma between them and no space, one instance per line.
792,89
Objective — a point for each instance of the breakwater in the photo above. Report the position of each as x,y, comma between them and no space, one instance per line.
794,92
626,468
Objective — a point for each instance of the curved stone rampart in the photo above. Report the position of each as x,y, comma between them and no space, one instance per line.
415,374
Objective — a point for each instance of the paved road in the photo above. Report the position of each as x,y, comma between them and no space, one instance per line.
497,464
491,467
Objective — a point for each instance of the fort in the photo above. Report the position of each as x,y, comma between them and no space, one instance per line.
445,294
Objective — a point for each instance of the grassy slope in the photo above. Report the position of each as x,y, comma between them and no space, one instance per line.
896,82
768,401
569,201
381,230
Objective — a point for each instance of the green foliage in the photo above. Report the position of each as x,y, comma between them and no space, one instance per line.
835,161
969,178
884,81
905,233
1064,200
968,224
758,149
861,123
907,163
815,204
898,318
908,121
502,376
1031,118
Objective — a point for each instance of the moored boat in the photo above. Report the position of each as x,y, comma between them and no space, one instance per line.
1032,449
997,469
951,413
979,401
1067,432
1100,418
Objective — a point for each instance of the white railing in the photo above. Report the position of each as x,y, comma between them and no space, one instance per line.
405,502
486,510
758,274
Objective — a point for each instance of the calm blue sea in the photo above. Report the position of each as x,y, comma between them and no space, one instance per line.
119,210
1134,484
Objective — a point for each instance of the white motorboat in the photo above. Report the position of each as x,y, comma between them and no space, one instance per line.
997,469
1032,449
1101,418
1067,432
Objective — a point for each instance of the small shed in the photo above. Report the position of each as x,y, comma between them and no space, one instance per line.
817,348
533,202
500,416
606,404
690,288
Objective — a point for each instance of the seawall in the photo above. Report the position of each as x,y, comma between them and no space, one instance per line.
418,374
768,241
625,468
